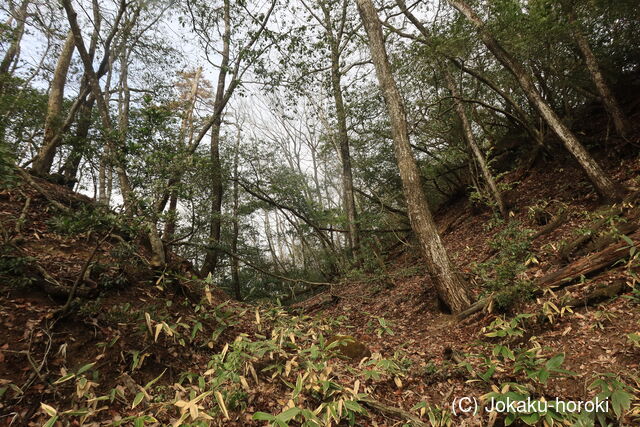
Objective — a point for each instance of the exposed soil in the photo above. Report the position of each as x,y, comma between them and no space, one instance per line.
112,331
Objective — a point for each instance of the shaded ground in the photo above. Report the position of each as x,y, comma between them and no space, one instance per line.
149,345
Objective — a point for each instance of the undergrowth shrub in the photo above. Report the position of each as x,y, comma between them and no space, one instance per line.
503,273
6,167
14,269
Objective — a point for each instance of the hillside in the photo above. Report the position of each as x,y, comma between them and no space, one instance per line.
143,347
311,213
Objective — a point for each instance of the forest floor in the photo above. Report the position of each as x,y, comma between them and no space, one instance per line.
157,349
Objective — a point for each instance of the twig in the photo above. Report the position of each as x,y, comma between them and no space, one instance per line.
63,311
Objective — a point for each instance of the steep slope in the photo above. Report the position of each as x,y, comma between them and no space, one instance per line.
145,347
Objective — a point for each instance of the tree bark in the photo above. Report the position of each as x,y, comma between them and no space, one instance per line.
72,162
609,101
235,263
14,47
605,187
450,287
343,136
44,159
211,258
471,141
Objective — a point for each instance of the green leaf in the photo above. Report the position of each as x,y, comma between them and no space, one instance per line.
137,399
288,414
354,406
51,421
543,376
153,381
64,379
555,361
620,400
628,240
85,368
263,416
530,419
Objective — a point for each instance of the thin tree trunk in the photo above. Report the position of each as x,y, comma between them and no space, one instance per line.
235,267
44,159
609,101
605,187
211,259
14,47
343,136
471,141
186,131
449,285
72,163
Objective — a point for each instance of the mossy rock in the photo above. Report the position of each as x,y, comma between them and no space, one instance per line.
349,347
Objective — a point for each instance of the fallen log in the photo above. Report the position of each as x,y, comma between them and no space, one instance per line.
598,294
568,274
394,412
588,265
560,219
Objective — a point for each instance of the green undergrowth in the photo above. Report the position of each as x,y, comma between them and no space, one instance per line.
503,273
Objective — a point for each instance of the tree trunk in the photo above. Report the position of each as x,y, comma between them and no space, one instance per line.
44,159
471,141
14,47
72,163
235,267
450,287
605,187
103,108
211,259
343,136
609,101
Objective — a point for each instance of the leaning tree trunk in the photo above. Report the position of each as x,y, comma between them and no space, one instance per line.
609,101
450,287
471,141
605,187
12,52
44,159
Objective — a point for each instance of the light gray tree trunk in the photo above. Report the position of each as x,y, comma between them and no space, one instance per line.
473,145
451,289
44,159
211,260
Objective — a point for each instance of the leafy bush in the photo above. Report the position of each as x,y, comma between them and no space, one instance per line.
14,269
6,167
83,220
502,274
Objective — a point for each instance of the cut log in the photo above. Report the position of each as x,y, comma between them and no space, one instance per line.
478,306
588,265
